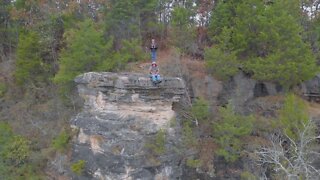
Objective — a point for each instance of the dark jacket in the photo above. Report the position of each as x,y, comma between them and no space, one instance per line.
153,47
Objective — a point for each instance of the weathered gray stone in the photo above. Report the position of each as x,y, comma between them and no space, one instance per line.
120,112
238,92
242,91
271,88
311,87
59,163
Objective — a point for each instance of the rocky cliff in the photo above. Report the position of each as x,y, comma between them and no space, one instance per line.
311,89
122,114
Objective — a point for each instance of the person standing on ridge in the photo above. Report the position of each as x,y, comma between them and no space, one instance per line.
153,49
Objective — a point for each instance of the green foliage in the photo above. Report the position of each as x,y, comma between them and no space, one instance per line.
60,143
26,171
3,89
183,32
122,20
247,176
14,149
78,167
149,20
157,145
160,142
293,116
17,151
29,66
173,122
132,19
222,17
200,109
184,39
264,40
193,163
6,135
130,51
221,63
7,30
14,156
85,51
133,50
229,131
188,137
181,17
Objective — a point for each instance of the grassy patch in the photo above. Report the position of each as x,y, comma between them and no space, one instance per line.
3,89
247,176
188,138
173,122
157,144
15,156
78,167
60,143
193,163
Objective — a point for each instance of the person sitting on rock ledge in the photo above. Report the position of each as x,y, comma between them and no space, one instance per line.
154,73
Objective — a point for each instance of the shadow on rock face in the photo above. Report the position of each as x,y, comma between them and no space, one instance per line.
260,90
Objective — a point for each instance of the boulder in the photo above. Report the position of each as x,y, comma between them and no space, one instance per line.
311,87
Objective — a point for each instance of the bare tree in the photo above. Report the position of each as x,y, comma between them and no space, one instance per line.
292,159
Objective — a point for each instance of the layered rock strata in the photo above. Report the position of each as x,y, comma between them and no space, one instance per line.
120,112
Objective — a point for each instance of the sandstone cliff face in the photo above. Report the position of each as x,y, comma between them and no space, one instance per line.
120,112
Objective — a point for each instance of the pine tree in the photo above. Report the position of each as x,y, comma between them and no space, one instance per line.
148,19
122,21
29,66
85,51
266,39
88,51
200,110
183,29
293,116
229,131
222,63
222,17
